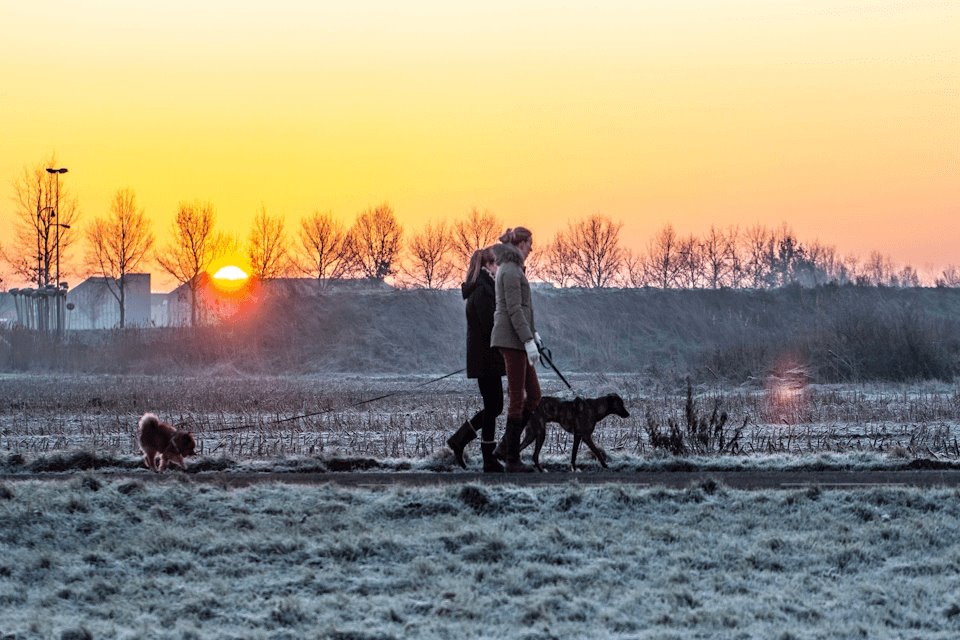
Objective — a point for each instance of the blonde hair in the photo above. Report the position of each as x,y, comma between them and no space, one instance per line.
479,258
516,235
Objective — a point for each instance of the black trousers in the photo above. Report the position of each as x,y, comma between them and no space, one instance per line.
485,421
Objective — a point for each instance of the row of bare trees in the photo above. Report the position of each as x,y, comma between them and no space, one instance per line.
758,258
588,252
374,246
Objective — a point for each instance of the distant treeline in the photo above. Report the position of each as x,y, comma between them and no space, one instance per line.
827,334
587,252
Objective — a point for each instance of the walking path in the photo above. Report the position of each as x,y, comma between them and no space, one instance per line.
747,480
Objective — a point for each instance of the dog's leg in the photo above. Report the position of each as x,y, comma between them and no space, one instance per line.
148,460
541,436
573,454
597,451
531,433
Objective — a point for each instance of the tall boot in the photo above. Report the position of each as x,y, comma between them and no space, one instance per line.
464,435
511,441
501,451
490,462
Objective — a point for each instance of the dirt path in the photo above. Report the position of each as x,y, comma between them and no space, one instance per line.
748,480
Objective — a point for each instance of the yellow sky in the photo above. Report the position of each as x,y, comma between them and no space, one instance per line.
841,118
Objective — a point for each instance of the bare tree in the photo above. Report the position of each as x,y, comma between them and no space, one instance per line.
119,243
476,231
949,277
661,262
718,257
194,247
906,277
878,269
268,247
430,264
826,263
852,271
557,262
324,252
690,264
375,239
759,256
43,225
634,273
594,247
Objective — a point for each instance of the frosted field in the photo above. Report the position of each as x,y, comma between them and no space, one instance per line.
92,558
238,416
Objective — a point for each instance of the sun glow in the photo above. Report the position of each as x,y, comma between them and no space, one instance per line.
230,272
230,278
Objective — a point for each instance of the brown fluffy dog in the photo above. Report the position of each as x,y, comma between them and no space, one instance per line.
161,439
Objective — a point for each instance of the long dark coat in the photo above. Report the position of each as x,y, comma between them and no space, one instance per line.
482,360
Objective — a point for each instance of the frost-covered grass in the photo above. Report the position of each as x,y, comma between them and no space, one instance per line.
69,462
137,559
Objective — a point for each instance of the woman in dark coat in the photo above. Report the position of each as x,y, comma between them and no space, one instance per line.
484,363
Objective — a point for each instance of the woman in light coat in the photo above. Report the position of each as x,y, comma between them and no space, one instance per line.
515,335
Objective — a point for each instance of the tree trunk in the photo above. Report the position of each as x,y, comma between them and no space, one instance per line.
123,290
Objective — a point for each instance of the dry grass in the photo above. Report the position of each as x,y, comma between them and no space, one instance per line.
248,417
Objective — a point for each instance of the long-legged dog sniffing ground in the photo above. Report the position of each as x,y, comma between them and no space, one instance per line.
578,417
474,561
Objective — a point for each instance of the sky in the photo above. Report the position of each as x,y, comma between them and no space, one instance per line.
839,118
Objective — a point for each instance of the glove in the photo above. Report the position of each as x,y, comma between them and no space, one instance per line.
538,340
533,356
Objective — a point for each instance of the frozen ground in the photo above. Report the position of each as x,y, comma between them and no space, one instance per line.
139,559
93,557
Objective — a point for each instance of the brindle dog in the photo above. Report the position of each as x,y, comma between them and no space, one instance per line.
578,416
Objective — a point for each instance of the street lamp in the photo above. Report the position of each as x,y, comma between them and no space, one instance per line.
40,248
58,172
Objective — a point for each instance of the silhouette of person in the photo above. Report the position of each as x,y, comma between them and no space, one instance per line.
484,363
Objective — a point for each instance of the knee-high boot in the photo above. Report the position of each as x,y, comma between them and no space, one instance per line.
511,441
501,451
459,440
490,462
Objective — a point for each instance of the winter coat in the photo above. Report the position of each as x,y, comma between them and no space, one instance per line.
482,359
513,319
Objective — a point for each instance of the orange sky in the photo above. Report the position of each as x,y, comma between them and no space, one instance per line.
841,118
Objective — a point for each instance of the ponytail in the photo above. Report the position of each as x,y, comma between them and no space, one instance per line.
479,258
516,235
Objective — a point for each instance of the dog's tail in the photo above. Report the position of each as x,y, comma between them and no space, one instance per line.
148,419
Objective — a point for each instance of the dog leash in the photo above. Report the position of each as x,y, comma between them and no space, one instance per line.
547,356
349,406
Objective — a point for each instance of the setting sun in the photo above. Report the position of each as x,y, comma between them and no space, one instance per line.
230,278
231,272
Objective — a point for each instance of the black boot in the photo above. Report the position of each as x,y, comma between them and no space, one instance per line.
490,462
501,451
461,439
511,441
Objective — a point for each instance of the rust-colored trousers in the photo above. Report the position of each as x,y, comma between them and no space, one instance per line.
523,387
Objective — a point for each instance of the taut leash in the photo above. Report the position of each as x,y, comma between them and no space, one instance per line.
349,406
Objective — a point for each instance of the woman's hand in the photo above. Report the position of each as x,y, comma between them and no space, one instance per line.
533,354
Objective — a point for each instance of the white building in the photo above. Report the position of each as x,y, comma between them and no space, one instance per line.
96,307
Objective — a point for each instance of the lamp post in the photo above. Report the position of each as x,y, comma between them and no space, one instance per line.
40,248
58,172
